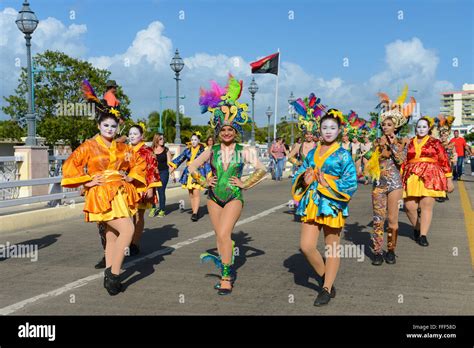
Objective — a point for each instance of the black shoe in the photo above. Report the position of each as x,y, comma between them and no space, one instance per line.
333,288
112,282
390,257
423,241
100,264
223,292
416,235
323,298
378,260
134,250
194,217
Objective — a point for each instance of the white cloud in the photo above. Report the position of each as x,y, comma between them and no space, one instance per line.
143,70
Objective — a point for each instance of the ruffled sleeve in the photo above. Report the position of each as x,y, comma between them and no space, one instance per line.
138,170
299,186
343,187
180,159
73,169
443,160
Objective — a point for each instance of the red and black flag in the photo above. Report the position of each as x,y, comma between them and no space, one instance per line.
267,65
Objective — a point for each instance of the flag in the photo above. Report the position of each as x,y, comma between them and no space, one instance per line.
267,65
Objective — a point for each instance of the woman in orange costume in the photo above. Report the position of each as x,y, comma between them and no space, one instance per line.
110,194
135,136
426,175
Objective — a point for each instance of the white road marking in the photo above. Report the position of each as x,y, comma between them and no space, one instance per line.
84,281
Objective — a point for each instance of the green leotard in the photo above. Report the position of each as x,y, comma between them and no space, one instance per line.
224,192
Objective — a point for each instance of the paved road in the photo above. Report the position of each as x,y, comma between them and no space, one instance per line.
273,277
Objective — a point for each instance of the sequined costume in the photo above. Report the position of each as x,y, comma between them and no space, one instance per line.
224,192
389,159
326,205
425,169
116,198
152,174
189,155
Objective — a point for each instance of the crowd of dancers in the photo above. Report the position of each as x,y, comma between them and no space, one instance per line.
122,180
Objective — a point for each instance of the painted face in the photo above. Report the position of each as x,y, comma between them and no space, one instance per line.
308,137
388,127
422,128
194,140
108,128
329,130
134,136
227,134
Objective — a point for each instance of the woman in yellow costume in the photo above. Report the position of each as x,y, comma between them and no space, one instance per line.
101,165
192,151
323,186
426,175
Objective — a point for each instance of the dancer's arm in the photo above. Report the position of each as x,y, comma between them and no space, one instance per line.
198,162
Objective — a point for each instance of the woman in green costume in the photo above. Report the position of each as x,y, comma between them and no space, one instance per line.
227,161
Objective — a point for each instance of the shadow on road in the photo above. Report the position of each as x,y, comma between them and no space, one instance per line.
152,240
302,271
242,251
41,243
355,234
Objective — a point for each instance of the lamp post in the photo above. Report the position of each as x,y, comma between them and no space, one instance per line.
291,99
27,23
269,113
253,88
177,65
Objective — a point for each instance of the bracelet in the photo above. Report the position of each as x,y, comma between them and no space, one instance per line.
254,178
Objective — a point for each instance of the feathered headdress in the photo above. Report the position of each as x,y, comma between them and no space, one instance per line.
310,110
444,123
223,104
101,107
398,111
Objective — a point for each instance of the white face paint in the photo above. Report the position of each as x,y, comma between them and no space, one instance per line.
108,128
134,136
329,130
194,141
422,128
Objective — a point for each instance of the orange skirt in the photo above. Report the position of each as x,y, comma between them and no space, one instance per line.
119,209
328,220
416,188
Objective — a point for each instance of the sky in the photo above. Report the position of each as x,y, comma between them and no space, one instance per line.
344,51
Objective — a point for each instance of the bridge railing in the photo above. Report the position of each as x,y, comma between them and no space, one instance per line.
10,185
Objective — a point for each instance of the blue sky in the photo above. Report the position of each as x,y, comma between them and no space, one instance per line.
320,36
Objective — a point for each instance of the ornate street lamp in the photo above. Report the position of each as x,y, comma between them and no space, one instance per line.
291,99
27,23
269,113
253,88
177,65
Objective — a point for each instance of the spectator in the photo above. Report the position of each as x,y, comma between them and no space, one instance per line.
278,152
461,148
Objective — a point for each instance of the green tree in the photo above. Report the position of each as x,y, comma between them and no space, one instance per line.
53,88
11,130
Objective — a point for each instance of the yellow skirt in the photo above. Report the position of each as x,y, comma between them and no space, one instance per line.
119,209
416,188
190,185
328,220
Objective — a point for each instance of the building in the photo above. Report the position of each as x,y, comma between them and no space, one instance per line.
459,104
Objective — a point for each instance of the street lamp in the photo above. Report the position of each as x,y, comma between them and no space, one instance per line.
269,113
253,88
177,65
27,23
291,99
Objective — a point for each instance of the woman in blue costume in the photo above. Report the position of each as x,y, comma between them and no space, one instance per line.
192,151
227,160
324,185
